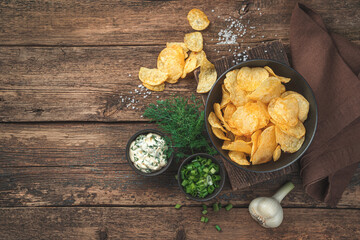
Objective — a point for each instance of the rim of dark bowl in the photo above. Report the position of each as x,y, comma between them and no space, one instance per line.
316,115
132,138
222,174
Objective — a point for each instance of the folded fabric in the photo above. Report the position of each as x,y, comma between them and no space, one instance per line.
331,65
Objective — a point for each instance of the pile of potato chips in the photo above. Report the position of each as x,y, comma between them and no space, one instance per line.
257,117
174,61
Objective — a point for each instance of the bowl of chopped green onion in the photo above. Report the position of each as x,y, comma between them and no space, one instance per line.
201,177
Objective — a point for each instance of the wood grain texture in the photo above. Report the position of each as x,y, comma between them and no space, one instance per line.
78,164
169,223
111,22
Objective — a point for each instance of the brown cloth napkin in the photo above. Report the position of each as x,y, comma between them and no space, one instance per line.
331,65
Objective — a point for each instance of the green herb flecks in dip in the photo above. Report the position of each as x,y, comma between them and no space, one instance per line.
147,152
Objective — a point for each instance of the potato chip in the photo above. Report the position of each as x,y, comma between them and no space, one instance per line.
238,96
284,110
250,78
197,19
171,61
218,113
230,135
207,76
296,131
303,104
268,89
267,145
255,141
152,76
282,79
277,153
230,81
180,44
194,41
229,111
157,88
193,62
239,146
250,117
215,122
225,97
287,142
219,134
239,158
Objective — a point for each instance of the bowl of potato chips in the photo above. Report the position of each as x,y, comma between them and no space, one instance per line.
261,115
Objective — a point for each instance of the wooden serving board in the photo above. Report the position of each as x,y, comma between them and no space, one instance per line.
240,178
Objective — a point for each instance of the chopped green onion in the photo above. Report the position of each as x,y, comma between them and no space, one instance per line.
204,207
204,212
206,219
218,228
202,219
177,206
215,207
228,207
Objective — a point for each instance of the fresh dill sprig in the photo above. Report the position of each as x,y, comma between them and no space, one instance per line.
184,122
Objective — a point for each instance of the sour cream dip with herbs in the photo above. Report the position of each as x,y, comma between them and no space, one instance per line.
147,152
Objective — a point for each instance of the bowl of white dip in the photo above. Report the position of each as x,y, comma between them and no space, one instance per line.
146,152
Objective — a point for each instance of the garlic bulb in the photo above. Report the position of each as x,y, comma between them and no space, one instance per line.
267,211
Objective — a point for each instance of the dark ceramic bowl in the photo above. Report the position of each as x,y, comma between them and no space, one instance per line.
146,131
297,84
222,174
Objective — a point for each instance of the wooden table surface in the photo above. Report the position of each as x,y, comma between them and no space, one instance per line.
68,74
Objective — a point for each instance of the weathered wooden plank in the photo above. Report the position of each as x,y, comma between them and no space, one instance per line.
169,223
151,22
84,164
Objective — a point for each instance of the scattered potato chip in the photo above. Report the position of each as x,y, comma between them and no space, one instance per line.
303,104
180,44
171,61
239,158
197,19
194,41
251,117
277,153
250,78
284,110
215,122
296,131
225,97
282,79
267,145
207,76
193,62
219,134
270,88
239,146
157,88
287,142
152,76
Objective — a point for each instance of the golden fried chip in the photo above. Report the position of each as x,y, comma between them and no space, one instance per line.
215,122
230,81
255,141
194,41
239,158
251,78
287,142
197,19
237,95
157,88
284,110
267,145
239,146
268,89
229,111
193,62
303,104
207,76
219,134
282,79
250,117
180,44
277,153
218,113
152,76
225,97
171,61
296,131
